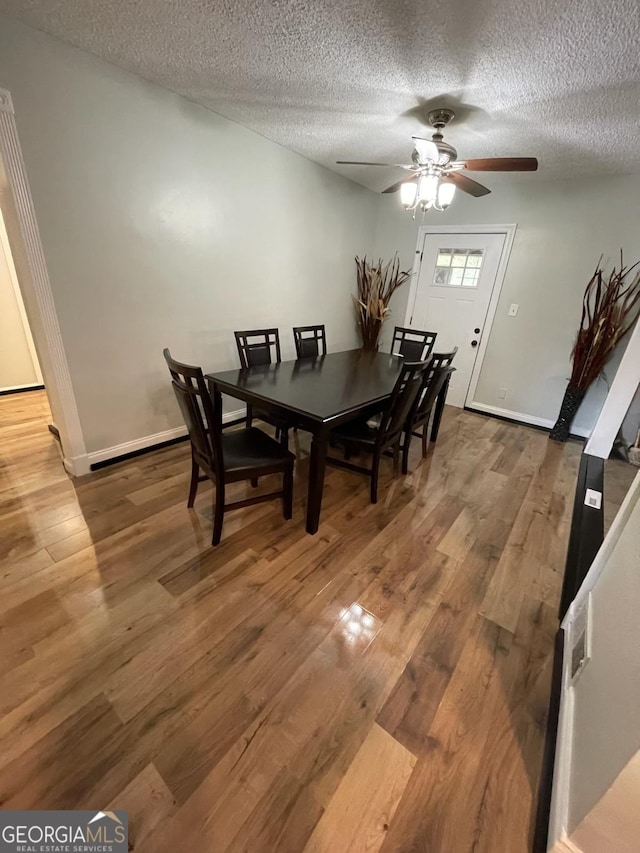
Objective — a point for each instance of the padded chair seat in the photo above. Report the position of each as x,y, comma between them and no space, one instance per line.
358,430
251,448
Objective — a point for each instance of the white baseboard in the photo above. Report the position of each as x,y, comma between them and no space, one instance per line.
139,444
28,387
565,845
76,466
519,416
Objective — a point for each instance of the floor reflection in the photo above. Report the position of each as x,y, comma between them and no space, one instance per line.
359,626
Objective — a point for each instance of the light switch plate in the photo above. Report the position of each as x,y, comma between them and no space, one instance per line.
513,310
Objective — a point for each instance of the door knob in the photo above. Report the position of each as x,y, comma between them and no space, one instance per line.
476,331
474,343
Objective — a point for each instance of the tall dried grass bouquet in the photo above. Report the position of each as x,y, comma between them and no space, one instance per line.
610,307
376,286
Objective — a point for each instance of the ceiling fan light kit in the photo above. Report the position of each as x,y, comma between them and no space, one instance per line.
436,172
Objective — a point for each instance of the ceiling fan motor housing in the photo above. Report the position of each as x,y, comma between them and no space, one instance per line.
440,118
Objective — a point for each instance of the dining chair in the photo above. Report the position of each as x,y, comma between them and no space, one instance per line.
310,341
436,381
387,435
258,347
225,457
412,344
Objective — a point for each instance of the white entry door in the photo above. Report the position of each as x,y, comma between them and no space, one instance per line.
455,281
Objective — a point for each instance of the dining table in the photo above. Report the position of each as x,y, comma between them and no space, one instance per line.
318,394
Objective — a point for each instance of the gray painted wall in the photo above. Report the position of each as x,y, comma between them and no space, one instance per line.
563,228
164,224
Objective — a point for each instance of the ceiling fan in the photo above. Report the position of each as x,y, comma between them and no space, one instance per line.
436,173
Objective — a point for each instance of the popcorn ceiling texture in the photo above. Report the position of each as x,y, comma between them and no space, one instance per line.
353,79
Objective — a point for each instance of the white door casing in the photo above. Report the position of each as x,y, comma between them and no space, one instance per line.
454,293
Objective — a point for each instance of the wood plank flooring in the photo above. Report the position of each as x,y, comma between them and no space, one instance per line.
381,686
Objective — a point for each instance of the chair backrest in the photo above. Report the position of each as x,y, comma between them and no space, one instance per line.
258,346
439,372
402,401
202,415
412,344
311,341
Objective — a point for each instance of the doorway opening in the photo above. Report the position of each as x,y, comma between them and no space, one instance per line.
19,363
455,286
30,452
25,247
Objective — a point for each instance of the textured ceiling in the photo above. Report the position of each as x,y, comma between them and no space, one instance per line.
353,79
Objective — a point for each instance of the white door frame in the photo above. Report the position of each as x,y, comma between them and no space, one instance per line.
38,299
509,231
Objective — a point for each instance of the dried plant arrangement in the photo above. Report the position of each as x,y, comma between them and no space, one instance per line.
376,286
610,307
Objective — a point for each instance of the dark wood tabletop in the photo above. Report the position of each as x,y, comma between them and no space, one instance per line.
321,392
330,388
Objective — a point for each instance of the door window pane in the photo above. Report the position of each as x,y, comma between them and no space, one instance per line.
458,267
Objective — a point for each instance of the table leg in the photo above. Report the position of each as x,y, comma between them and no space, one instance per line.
439,408
317,464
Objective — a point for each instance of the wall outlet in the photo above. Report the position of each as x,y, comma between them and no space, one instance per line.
513,310
593,498
581,639
502,393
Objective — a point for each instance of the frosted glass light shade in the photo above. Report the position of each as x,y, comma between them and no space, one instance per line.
428,188
446,192
408,193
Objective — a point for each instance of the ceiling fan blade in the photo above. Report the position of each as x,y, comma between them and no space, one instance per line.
502,164
395,187
427,150
466,184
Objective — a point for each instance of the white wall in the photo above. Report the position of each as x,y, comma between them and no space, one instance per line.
166,225
563,228
599,728
18,361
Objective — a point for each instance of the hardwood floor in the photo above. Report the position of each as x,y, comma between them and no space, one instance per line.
381,686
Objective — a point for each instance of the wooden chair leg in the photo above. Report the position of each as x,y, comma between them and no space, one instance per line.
284,438
249,416
218,513
405,452
347,451
254,482
425,440
287,493
193,488
396,459
375,468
